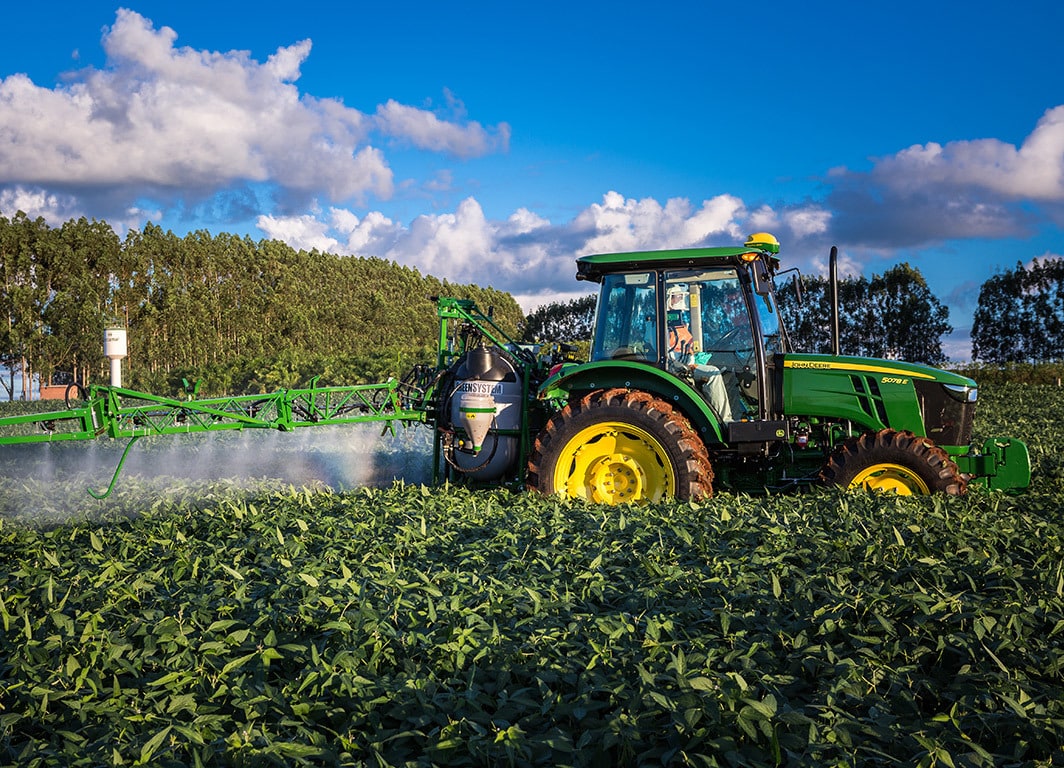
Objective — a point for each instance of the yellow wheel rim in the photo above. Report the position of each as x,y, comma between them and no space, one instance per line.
891,478
614,463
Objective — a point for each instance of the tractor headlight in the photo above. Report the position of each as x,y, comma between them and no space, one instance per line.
961,392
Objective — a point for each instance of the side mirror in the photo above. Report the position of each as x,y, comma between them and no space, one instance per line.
762,280
798,281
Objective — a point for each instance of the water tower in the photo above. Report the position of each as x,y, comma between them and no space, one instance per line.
114,349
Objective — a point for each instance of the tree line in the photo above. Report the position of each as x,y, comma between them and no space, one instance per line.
242,315
1020,315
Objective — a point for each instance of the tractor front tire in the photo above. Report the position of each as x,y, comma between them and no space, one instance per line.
893,462
617,446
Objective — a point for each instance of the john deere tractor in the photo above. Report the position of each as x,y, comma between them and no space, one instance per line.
692,385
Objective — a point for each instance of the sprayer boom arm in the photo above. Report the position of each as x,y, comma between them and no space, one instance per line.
125,413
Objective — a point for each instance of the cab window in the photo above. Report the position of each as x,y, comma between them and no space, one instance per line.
770,323
626,318
706,315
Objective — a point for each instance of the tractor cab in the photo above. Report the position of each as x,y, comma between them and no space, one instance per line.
707,316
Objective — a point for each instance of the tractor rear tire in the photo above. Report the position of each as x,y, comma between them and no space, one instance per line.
617,446
890,461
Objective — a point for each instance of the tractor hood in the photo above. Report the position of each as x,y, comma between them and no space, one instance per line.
871,365
881,394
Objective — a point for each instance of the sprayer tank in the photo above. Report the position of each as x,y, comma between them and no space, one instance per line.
486,399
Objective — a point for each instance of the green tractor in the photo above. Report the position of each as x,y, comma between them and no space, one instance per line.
691,386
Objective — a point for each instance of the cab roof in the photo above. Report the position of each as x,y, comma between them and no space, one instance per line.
593,267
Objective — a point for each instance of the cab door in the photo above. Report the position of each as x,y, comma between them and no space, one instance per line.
709,307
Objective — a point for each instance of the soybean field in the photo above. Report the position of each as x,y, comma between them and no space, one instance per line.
213,621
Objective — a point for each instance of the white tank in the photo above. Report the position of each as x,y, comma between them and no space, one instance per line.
115,350
114,343
486,398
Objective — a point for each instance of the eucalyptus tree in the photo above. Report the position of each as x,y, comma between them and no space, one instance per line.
78,279
235,313
1020,314
24,243
912,319
893,315
570,321
806,307
160,340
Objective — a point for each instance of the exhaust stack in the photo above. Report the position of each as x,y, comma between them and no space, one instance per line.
833,273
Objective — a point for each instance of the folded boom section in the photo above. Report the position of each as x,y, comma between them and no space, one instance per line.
119,413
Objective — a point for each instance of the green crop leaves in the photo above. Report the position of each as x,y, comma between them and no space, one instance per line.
384,627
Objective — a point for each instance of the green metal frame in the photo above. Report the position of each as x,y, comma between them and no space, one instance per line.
1003,464
125,413
121,413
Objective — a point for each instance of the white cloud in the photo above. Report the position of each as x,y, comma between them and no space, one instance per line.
798,222
926,193
1032,171
375,233
1046,256
426,131
456,245
523,222
764,219
525,254
619,224
530,302
54,209
305,232
165,122
806,222
58,208
848,264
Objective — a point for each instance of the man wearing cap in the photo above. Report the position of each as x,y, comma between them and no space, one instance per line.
683,360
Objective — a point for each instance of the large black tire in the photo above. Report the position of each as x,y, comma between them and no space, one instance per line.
616,446
891,461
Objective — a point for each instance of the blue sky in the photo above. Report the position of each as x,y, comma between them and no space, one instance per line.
493,142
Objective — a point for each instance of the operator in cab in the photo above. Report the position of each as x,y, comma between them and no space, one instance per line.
686,358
